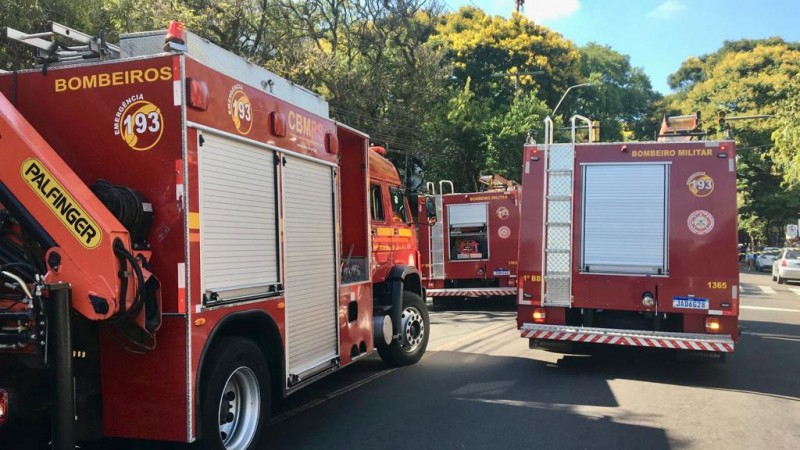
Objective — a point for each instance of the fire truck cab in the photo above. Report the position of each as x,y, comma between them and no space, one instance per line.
170,157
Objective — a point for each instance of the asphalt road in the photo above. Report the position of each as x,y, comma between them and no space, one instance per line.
480,387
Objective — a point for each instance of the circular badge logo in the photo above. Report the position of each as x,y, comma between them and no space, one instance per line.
140,123
240,109
504,232
700,184
700,222
503,213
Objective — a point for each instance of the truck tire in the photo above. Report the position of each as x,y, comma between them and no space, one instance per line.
236,396
414,334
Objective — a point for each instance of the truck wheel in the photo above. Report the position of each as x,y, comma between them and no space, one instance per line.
236,396
414,333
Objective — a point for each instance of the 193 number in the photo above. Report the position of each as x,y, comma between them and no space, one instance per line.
142,122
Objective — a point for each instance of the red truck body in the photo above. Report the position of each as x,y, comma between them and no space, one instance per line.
261,232
629,244
472,250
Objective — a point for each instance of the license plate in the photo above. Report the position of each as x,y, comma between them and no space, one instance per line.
501,272
689,303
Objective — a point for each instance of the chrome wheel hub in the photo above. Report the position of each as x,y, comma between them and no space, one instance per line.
413,329
239,409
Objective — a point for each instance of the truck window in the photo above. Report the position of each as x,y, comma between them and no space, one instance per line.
399,206
376,203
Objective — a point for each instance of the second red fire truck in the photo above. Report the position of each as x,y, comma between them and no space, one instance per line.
630,244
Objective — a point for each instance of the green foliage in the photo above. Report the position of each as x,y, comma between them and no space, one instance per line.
621,97
787,135
480,46
751,77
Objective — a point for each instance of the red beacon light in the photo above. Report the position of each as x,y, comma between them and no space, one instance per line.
176,37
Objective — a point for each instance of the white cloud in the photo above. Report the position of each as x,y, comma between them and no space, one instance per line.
667,10
544,10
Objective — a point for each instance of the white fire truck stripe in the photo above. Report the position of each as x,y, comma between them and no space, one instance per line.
637,341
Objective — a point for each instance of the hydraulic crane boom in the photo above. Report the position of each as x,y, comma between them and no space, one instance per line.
84,243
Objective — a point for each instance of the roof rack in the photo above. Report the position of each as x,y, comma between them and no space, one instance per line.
56,51
497,183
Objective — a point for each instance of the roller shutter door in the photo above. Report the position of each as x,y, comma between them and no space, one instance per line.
472,214
311,298
238,209
624,218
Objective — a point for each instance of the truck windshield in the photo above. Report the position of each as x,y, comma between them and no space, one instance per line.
399,206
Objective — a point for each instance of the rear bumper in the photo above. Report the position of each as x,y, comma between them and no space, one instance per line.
472,292
789,272
633,338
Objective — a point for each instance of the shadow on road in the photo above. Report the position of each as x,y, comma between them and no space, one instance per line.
457,401
765,363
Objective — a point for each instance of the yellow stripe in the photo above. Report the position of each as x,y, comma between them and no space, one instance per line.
194,221
384,231
404,232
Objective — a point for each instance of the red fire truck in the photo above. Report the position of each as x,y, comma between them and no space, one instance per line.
472,250
184,237
630,244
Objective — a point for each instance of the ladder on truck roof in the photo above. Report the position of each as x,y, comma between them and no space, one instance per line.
559,183
81,45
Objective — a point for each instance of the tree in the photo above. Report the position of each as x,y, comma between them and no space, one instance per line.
481,47
787,135
749,77
621,97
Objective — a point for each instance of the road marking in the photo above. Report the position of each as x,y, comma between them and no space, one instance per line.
767,290
764,308
795,290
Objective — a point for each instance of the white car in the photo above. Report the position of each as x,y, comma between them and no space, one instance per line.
765,259
787,267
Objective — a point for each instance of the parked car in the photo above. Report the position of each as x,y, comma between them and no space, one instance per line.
765,259
787,267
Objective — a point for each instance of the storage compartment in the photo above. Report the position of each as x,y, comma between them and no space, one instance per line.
624,227
468,232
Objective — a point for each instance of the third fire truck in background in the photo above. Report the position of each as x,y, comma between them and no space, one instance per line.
630,243
472,250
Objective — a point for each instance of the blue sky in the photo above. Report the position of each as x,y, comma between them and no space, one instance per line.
657,34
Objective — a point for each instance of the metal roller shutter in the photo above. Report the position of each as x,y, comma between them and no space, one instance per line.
311,319
467,214
624,218
238,229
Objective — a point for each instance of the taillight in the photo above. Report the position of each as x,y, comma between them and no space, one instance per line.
539,315
712,325
3,407
783,263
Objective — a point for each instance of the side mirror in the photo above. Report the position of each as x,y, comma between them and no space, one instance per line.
430,210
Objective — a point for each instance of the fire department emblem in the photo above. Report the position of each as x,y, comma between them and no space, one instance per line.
700,184
504,232
240,109
700,222
139,123
502,213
